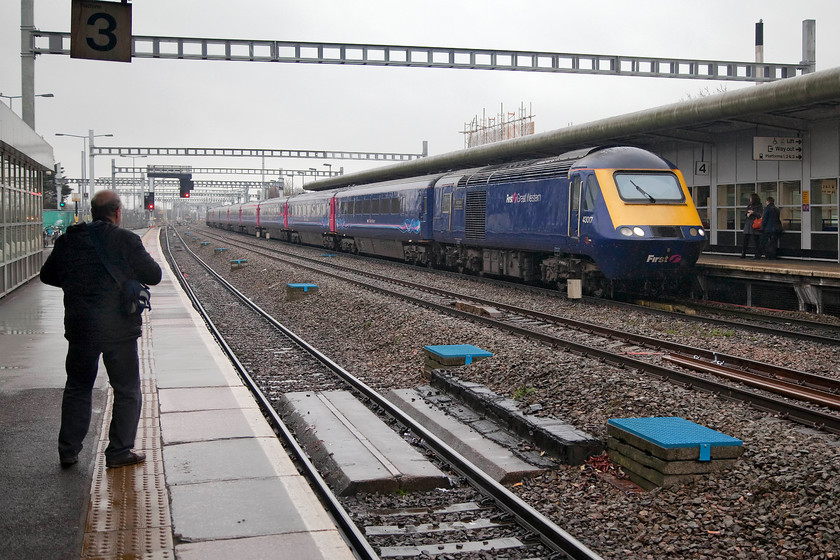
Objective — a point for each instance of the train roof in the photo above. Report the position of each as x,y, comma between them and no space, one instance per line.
389,186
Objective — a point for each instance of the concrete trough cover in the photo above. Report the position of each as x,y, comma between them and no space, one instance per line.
675,439
353,448
456,354
495,460
299,290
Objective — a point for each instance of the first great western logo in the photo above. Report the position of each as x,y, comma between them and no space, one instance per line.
520,198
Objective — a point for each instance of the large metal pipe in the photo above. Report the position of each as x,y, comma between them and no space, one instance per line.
783,94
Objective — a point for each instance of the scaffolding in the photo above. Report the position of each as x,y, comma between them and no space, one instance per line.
503,126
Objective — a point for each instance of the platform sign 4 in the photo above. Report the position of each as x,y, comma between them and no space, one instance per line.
100,30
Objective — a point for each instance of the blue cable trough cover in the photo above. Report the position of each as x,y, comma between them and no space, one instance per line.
303,286
466,351
674,432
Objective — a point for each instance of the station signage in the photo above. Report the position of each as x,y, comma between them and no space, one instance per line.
777,148
100,30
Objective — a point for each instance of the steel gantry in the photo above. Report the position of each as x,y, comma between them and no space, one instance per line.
193,48
256,152
238,171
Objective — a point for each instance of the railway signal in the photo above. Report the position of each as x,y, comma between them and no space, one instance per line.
149,201
186,186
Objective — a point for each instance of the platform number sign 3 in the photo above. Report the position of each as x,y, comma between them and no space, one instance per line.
100,30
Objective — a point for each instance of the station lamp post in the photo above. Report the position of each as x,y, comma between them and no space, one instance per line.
85,138
329,168
10,97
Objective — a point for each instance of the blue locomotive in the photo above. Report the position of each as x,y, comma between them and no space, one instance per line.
600,215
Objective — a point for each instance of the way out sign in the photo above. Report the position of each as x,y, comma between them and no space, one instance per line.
100,30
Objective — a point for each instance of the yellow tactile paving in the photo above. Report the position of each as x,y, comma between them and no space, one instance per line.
129,515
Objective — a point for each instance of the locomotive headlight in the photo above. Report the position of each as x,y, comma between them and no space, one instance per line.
625,231
702,232
692,231
639,231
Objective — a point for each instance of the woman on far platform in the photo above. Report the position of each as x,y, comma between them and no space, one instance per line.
754,211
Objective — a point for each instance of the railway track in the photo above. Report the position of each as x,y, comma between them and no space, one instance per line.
502,521
622,349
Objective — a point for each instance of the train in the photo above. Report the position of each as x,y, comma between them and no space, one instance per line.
610,217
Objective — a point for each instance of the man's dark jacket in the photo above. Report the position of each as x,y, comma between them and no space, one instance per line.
770,220
92,311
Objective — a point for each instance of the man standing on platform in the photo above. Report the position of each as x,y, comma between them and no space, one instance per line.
771,229
95,324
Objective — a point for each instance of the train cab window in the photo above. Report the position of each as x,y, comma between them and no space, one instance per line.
395,205
374,206
649,188
589,194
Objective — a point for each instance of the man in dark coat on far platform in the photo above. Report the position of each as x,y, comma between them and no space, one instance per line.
95,324
771,229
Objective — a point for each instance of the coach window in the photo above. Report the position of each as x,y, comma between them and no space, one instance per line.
590,193
366,206
374,206
357,207
396,205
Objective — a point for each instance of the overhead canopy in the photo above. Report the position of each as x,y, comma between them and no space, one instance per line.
790,104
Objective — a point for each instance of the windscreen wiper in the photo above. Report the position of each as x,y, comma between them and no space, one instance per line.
641,190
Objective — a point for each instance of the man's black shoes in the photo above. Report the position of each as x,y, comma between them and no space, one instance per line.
130,458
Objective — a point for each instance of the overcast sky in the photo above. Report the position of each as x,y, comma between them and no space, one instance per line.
176,103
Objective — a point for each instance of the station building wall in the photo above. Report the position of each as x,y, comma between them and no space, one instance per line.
806,190
25,158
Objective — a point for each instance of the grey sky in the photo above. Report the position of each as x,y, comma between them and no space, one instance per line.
265,105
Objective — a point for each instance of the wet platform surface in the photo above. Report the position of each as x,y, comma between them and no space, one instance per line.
216,482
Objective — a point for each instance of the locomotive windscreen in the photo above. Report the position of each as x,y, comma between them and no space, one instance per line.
652,188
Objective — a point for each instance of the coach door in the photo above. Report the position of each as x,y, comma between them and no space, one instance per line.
332,214
574,206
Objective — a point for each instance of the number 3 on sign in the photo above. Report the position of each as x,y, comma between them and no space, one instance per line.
100,30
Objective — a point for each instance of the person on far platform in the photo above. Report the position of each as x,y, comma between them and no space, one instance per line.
754,211
771,230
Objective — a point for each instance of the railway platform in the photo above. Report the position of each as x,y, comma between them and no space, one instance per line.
216,482
786,284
